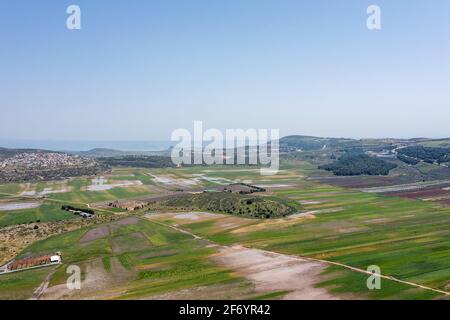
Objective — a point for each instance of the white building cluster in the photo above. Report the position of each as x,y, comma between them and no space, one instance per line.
42,160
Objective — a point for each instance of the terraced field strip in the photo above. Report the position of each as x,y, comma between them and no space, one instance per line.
405,187
355,269
363,245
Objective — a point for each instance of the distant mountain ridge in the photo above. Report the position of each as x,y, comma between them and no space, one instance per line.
105,152
102,152
308,143
287,144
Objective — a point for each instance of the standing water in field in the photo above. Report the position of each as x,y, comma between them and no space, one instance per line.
99,184
11,206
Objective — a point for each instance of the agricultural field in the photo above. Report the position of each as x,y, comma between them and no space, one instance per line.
323,248
131,259
408,239
42,201
317,234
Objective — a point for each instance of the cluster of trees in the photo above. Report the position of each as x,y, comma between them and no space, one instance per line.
359,164
137,161
230,203
70,208
408,160
141,161
427,154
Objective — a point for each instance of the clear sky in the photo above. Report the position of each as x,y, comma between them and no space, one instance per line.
140,69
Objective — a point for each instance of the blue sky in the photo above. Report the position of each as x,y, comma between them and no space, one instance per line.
140,69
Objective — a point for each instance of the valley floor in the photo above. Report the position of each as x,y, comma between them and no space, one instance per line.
320,252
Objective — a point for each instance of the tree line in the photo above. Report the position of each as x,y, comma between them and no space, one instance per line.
359,164
427,154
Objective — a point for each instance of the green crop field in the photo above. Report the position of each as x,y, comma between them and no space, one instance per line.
21,285
47,211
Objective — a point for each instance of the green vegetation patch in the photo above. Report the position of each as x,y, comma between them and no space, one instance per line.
230,203
427,154
106,263
21,285
46,212
359,164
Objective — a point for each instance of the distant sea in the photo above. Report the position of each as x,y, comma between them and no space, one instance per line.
73,145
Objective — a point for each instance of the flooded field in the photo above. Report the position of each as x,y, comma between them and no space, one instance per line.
44,192
169,180
11,206
217,180
100,184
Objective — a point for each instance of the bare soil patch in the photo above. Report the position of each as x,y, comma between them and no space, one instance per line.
271,272
234,290
196,216
306,202
47,191
127,221
98,284
95,234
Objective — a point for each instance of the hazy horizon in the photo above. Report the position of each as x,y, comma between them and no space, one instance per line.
122,145
86,145
136,71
